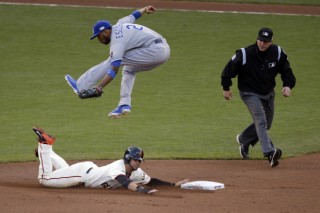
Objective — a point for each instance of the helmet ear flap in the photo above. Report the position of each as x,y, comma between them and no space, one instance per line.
127,158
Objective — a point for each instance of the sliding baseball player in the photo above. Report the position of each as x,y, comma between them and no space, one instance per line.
54,171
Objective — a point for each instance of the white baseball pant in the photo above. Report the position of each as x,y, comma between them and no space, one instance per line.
63,174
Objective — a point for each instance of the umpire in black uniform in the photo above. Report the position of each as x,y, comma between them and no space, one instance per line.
256,67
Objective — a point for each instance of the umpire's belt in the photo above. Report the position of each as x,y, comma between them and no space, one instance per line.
89,170
158,40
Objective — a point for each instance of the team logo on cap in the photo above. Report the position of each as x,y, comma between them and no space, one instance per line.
265,34
101,28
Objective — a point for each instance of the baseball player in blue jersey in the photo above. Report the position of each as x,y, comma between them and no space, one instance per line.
135,47
54,171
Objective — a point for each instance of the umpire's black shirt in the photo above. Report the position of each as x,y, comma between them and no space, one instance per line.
257,70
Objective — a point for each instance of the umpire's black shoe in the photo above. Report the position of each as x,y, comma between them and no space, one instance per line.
274,157
244,150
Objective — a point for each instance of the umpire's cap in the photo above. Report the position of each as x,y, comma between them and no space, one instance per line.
265,34
99,27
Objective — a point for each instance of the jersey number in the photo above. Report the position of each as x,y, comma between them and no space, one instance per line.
105,185
129,27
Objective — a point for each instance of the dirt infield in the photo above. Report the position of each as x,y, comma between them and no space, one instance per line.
250,186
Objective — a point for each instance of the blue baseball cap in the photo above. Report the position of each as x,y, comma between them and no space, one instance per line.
99,27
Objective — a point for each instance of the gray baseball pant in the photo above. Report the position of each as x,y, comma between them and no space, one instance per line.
261,108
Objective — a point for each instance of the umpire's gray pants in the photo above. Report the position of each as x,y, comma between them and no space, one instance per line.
261,108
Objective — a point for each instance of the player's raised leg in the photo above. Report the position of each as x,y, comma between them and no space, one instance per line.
44,151
57,161
90,78
63,175
124,106
134,61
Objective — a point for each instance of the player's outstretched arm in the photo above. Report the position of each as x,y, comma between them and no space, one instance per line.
137,14
137,188
133,186
147,9
179,183
111,74
158,182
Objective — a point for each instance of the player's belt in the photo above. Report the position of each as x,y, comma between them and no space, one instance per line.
89,170
158,40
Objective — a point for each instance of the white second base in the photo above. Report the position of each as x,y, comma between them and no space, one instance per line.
202,185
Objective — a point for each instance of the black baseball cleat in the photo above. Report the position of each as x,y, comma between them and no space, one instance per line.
244,151
36,152
43,137
274,157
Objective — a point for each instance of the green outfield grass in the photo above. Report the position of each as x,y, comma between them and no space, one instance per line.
178,109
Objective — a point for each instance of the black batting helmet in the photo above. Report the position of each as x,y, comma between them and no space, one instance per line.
133,152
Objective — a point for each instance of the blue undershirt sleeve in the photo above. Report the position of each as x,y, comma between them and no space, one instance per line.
136,14
116,63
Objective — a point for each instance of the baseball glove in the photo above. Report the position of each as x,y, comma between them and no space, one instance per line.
95,92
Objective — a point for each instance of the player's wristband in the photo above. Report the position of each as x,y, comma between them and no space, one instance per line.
142,189
112,73
136,14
